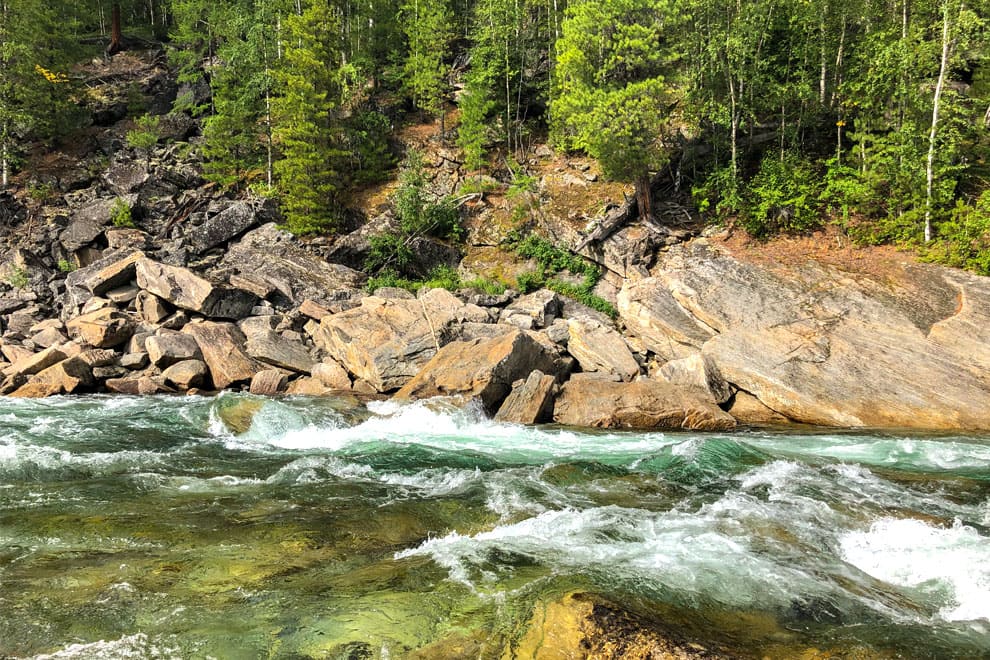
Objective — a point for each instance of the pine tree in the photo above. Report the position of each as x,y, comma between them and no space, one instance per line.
312,84
614,99
428,28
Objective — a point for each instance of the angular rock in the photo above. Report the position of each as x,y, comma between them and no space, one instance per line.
529,402
171,347
122,294
98,357
86,225
269,382
151,308
183,288
276,257
650,311
747,409
598,347
229,223
186,374
313,310
308,386
222,345
332,375
15,353
63,378
273,349
126,176
32,364
385,342
48,337
134,361
541,306
642,404
114,269
483,369
143,385
103,328
700,373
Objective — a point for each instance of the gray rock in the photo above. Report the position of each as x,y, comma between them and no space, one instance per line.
183,288
222,345
170,347
229,223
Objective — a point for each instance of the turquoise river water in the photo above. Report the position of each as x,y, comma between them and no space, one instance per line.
147,528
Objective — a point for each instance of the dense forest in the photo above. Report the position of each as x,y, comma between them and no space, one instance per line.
776,115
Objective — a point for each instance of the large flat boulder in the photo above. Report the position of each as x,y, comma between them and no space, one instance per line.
483,368
824,346
183,288
385,342
222,346
642,404
64,377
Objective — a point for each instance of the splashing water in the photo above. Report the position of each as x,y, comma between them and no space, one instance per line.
147,528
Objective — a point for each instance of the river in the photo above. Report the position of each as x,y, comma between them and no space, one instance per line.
148,528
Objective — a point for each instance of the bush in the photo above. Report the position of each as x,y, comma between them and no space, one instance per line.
782,197
18,277
551,261
121,214
441,277
963,240
145,136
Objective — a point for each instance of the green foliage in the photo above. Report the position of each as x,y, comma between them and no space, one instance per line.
121,214
428,25
66,266
41,193
473,132
145,134
18,277
441,277
368,144
522,181
782,197
420,214
551,261
963,239
476,186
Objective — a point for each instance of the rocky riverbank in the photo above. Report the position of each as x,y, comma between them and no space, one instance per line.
126,272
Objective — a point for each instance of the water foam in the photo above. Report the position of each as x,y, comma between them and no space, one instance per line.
138,645
951,565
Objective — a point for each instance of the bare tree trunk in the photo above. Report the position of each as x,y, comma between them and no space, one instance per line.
939,86
116,37
5,165
644,197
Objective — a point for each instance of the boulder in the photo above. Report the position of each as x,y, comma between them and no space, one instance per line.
186,374
332,375
133,361
386,342
482,368
649,311
183,288
48,337
530,401
268,346
35,362
126,176
116,268
838,348
86,225
698,372
143,385
229,223
535,310
598,347
171,347
98,357
104,328
276,257
63,378
151,308
269,382
747,409
222,346
642,404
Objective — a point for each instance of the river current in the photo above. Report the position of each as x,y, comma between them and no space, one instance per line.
151,528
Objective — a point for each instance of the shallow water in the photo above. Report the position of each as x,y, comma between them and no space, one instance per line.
145,528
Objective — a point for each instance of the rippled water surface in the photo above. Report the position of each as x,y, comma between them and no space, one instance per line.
149,528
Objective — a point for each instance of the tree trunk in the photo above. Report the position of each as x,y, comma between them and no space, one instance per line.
116,38
644,197
939,86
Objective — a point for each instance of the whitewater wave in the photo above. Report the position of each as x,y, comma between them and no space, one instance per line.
950,565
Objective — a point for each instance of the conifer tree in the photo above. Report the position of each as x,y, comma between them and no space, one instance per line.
614,98
428,29
312,83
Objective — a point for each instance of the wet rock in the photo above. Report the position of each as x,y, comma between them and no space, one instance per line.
598,347
183,288
642,404
483,369
222,346
530,401
143,385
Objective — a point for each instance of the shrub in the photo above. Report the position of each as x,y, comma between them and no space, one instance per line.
963,240
781,197
551,261
145,135
18,277
121,214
